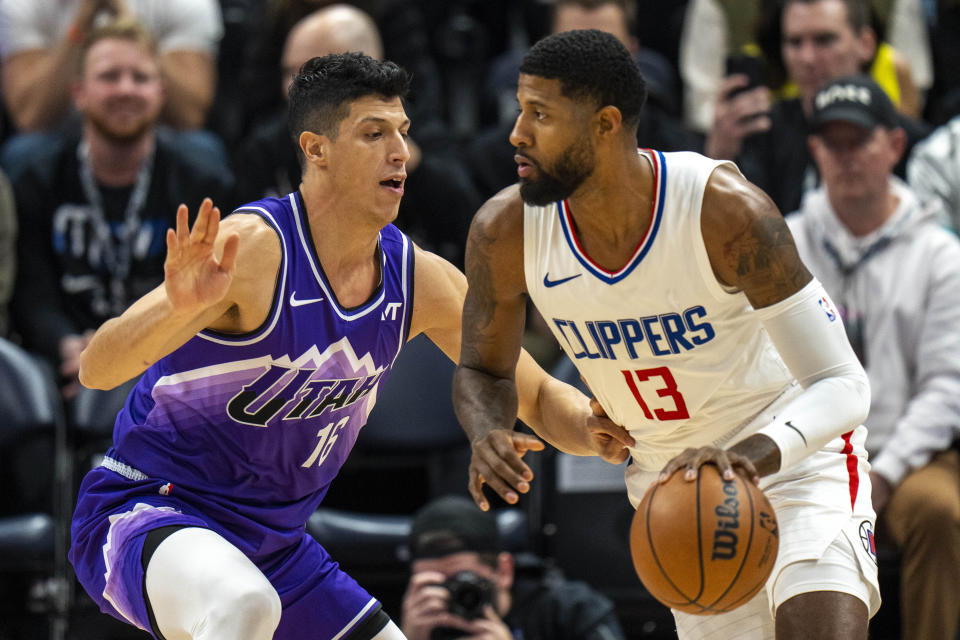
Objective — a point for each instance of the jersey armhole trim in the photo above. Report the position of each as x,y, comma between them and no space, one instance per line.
408,280
261,332
716,288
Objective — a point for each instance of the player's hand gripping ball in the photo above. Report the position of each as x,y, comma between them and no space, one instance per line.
705,546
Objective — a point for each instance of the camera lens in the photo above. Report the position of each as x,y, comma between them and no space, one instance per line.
469,594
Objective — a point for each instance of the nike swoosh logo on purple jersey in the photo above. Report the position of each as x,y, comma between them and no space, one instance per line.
299,303
547,282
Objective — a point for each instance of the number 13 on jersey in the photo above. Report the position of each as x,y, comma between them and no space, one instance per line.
661,381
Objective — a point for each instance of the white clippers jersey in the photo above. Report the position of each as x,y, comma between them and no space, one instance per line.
668,352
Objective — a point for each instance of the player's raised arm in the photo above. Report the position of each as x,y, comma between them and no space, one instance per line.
199,288
751,248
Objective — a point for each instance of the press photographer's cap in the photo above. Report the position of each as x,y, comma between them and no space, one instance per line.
452,524
856,99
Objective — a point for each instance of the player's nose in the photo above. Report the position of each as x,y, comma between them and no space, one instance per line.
400,150
519,137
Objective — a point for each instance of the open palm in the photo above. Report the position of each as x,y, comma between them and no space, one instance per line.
193,276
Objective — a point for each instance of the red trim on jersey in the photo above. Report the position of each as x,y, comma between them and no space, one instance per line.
852,463
655,161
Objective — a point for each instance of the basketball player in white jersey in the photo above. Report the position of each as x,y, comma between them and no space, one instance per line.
676,288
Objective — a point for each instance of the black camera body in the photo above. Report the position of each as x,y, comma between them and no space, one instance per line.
469,594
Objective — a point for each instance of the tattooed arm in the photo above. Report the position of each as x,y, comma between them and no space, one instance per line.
485,394
751,250
748,241
496,380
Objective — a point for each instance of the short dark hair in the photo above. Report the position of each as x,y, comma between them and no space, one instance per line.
454,524
590,64
858,12
322,91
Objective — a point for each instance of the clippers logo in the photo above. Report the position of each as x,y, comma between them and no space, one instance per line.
828,308
866,537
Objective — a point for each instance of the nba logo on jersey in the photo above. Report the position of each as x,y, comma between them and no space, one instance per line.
827,307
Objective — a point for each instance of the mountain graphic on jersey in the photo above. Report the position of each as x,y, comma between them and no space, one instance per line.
267,391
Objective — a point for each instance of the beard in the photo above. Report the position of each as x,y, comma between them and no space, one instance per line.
132,132
575,165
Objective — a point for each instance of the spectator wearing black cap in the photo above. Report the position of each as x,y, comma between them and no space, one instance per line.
894,275
820,40
464,585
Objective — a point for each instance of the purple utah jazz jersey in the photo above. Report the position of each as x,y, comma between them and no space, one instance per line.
262,422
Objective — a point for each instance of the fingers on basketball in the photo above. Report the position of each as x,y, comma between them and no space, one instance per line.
704,547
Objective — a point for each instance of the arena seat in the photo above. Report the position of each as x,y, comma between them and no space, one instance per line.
91,418
412,447
411,450
36,505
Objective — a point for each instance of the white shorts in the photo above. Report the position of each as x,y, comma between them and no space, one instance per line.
826,522
837,570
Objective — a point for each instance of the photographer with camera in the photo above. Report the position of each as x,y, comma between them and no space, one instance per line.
464,585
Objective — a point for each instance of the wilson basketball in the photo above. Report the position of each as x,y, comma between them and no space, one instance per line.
705,546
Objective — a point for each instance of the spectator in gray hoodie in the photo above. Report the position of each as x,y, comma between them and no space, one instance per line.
934,171
894,274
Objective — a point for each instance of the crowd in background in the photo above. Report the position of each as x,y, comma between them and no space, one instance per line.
99,144
722,80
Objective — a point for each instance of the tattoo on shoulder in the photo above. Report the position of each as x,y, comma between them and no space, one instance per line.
765,259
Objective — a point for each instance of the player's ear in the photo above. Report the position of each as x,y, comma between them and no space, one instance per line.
314,147
608,120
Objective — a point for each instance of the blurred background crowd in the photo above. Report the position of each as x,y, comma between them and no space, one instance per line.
99,144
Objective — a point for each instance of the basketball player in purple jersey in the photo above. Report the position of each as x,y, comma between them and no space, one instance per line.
262,354
675,287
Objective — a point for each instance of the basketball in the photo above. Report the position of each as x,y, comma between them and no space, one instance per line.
705,546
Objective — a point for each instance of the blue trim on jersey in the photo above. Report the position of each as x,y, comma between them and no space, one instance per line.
409,277
660,178
273,315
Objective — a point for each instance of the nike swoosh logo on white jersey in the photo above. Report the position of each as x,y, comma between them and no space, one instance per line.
547,282
299,303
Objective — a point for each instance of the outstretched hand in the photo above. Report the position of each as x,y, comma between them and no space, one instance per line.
497,461
193,276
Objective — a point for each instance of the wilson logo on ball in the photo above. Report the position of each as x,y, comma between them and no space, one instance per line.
704,546
728,521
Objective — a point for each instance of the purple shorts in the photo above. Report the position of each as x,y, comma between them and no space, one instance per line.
114,515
